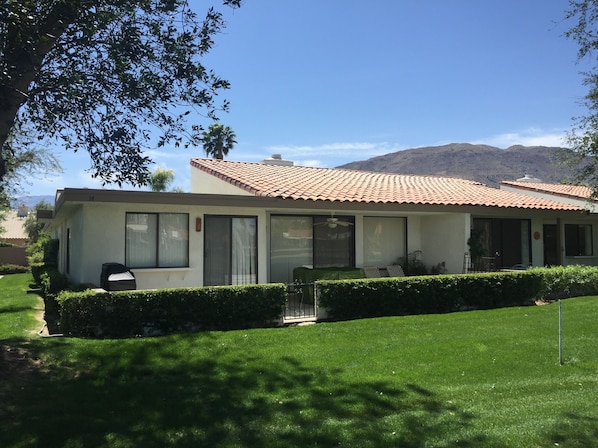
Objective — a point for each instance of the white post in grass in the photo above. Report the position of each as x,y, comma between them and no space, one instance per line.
561,332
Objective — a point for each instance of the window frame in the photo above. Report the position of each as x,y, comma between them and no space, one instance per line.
206,263
403,240
576,241
317,219
156,257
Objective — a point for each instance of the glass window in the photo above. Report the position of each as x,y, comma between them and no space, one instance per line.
334,244
383,240
230,256
291,246
578,239
310,241
157,240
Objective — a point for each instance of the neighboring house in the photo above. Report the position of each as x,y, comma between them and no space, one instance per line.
565,242
257,222
16,237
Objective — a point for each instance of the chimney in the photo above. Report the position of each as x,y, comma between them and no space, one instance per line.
23,211
276,159
529,178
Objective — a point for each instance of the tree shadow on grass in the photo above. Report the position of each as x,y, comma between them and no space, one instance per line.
574,430
147,394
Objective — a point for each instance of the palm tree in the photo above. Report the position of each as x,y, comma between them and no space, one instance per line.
218,140
161,179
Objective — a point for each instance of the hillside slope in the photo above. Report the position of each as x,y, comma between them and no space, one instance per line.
481,163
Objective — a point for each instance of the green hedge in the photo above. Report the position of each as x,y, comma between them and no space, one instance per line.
137,313
52,282
560,282
42,255
352,299
6,269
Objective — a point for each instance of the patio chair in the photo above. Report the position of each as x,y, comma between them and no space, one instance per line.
395,270
371,272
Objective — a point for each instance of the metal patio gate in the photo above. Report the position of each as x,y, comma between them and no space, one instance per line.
301,302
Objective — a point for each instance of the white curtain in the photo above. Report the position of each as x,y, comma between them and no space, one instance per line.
157,240
141,244
244,251
230,250
173,248
384,240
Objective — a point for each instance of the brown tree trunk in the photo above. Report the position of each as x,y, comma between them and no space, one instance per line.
24,65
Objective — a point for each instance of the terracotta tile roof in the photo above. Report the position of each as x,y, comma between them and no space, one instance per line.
340,185
13,226
571,191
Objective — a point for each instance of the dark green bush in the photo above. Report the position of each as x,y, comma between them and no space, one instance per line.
52,282
135,313
6,269
351,299
41,255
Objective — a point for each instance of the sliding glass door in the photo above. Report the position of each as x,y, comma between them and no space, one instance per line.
230,256
309,241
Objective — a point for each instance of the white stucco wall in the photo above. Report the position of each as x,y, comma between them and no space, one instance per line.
98,236
74,222
202,182
583,203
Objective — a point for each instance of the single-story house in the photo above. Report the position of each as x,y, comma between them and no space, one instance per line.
569,242
259,222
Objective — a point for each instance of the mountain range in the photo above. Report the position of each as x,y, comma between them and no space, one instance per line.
30,201
482,163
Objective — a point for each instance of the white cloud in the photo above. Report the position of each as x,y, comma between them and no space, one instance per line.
310,162
333,154
176,154
527,137
85,180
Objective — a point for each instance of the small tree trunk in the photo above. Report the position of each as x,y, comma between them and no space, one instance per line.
24,65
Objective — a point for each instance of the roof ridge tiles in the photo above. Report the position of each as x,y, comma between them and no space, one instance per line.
343,185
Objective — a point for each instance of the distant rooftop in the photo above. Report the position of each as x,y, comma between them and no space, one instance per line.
569,191
13,224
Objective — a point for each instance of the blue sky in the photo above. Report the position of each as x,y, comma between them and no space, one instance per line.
326,82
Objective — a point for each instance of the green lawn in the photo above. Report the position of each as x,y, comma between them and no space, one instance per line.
474,379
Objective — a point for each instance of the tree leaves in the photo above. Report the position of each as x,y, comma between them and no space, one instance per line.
112,77
583,138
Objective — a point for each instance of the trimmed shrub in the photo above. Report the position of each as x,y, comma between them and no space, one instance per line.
6,269
52,281
143,313
561,282
352,299
41,255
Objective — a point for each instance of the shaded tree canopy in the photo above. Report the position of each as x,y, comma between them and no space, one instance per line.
111,77
582,140
218,140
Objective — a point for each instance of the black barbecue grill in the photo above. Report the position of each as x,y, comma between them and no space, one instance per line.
117,277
